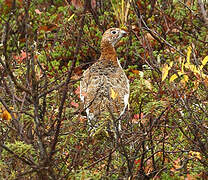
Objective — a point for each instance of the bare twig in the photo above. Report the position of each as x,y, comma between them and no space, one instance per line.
203,12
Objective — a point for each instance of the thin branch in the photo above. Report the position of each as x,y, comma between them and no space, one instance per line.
203,12
59,119
28,162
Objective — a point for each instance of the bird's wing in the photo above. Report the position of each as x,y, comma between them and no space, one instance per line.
90,90
119,91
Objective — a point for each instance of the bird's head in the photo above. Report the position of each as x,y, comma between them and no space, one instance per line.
113,35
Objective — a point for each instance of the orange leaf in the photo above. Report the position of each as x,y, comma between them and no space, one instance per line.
47,28
135,71
8,3
190,177
82,119
176,165
6,115
21,57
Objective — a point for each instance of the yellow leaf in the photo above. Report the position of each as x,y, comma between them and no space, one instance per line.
189,54
204,76
195,154
173,77
204,61
113,94
6,115
171,64
192,67
184,80
196,84
165,70
180,73
70,18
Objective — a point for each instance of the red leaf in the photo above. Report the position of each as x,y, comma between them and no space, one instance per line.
21,57
76,105
136,116
77,91
38,11
50,27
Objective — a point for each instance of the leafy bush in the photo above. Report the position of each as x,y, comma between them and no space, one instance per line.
45,47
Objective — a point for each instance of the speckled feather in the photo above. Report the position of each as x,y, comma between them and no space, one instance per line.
101,78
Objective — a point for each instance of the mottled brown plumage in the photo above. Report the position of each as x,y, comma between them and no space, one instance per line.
104,88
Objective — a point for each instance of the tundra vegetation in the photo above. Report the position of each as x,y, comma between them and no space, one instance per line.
45,45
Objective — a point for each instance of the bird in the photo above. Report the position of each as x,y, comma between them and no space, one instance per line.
104,87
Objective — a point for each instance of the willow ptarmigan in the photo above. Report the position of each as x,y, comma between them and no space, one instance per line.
104,88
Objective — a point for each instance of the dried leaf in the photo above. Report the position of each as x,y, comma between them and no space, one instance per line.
149,166
8,3
82,119
50,27
176,165
165,70
149,37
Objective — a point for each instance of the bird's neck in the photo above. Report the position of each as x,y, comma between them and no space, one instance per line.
108,52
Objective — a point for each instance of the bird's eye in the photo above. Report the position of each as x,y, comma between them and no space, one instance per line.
113,32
